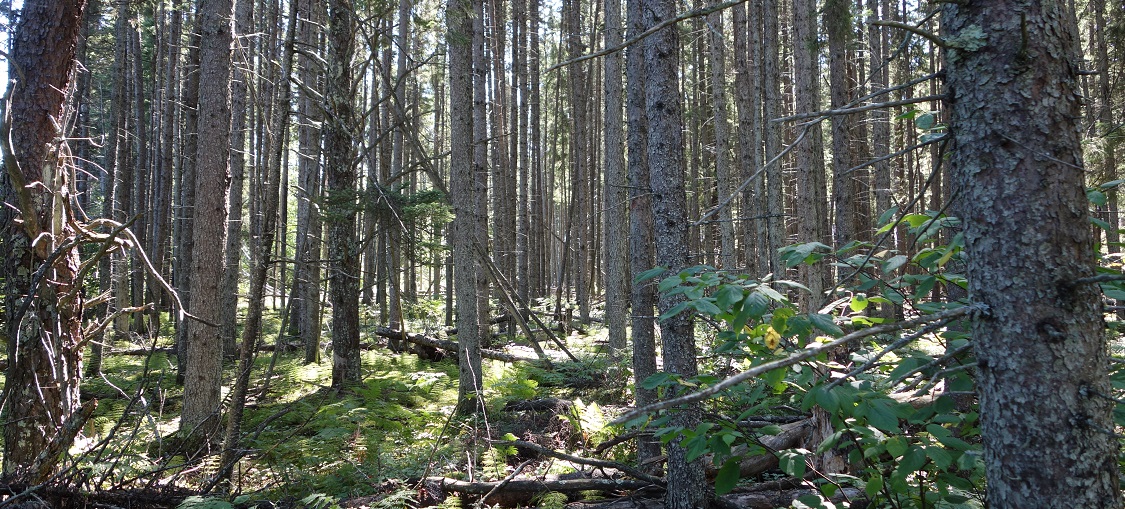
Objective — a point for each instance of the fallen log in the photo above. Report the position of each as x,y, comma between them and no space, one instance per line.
509,493
739,499
451,346
791,434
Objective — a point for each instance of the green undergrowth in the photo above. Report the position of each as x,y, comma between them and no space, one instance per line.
305,439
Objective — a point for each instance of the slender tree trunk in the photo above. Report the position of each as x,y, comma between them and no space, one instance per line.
616,204
231,275
687,487
723,167
459,44
580,168
771,100
812,210
343,248
203,349
642,255
43,325
1017,158
261,250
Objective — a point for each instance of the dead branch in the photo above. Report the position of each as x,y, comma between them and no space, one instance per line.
583,461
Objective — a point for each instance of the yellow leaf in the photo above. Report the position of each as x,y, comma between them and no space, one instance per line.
772,339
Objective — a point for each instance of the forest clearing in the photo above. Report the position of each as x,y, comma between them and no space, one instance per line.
593,254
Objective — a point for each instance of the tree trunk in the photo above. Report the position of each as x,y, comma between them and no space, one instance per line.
43,301
239,109
43,307
459,44
642,255
1017,158
812,211
616,210
339,153
687,487
203,349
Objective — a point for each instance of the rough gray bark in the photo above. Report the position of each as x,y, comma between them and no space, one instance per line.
642,254
748,159
239,111
720,108
687,487
340,187
838,25
579,157
459,44
880,119
771,99
615,203
203,349
808,156
307,271
43,334
1040,346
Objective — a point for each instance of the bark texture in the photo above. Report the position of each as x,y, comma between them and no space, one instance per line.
42,317
461,184
204,349
1042,361
339,156
686,483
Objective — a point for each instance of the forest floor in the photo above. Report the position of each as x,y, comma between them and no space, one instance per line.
370,445
544,439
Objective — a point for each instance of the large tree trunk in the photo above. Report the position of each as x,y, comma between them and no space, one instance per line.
687,487
43,302
1040,345
203,349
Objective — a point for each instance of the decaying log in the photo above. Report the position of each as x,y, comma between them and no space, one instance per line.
791,434
739,499
451,346
539,405
521,491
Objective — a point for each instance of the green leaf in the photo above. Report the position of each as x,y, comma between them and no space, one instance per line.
858,303
894,263
650,274
669,283
677,309
728,296
771,429
939,456
727,477
1114,294
792,462
1096,197
707,307
880,415
896,446
827,400
826,324
874,485
912,461
753,308
771,293
1101,224
924,121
